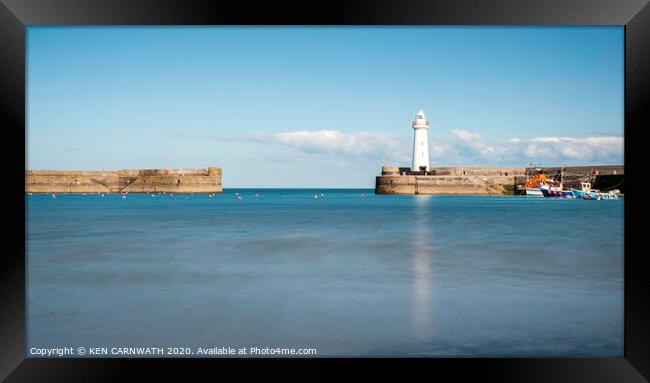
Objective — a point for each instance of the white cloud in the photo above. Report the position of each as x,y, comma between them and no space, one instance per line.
334,142
468,148
574,150
548,139
461,147
473,144
465,135
597,149
536,151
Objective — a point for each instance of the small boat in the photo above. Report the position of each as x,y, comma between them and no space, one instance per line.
555,188
535,192
585,190
557,191
532,184
588,193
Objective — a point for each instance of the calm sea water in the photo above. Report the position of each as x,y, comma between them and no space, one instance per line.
347,275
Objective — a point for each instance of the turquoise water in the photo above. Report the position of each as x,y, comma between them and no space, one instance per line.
345,274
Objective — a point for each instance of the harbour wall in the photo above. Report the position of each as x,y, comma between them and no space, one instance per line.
444,185
602,177
487,180
127,180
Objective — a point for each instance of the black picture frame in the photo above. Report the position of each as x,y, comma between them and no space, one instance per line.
15,15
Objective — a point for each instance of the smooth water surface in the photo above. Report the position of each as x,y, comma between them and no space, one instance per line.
345,274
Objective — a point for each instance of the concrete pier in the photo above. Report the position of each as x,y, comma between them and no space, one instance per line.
121,181
487,180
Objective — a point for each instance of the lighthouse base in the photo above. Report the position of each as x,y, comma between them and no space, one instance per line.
444,185
447,180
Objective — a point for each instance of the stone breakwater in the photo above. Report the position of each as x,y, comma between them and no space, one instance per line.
122,181
486,180
395,180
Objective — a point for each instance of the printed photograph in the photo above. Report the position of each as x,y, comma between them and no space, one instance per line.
335,191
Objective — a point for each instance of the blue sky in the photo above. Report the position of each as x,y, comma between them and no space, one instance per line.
321,106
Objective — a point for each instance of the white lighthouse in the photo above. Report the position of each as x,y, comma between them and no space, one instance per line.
420,143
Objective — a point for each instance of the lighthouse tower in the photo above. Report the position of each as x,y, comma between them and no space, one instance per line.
420,143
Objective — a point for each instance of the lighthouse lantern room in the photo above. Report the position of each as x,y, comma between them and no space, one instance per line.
420,143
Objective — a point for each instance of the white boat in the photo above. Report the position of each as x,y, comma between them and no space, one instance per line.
535,192
534,182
